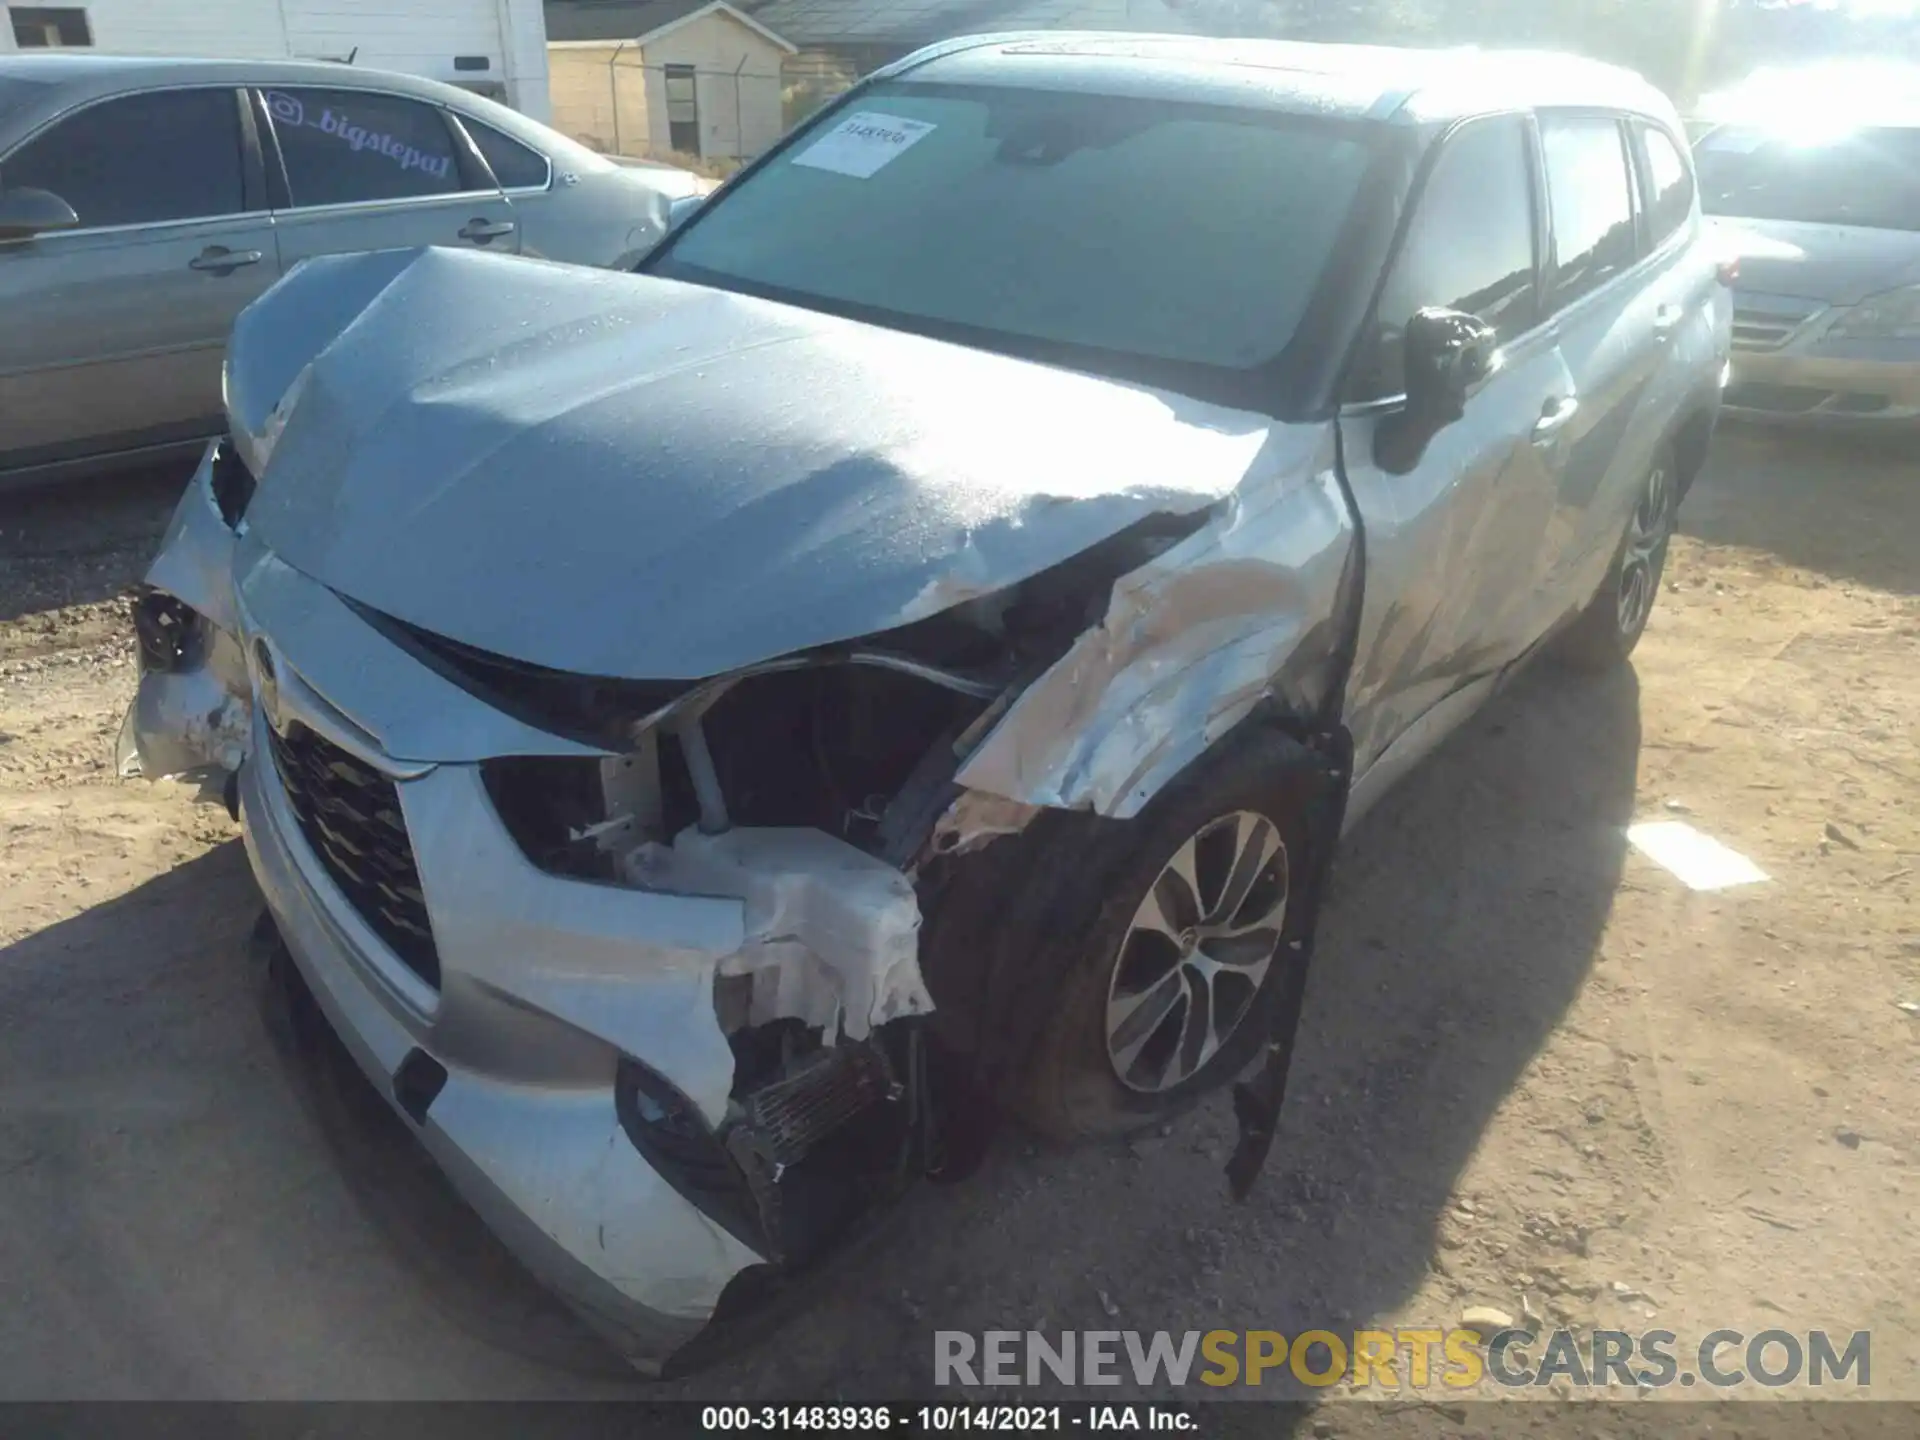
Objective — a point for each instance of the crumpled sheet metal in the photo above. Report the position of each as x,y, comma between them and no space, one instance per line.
832,933
527,1124
200,717
975,817
189,720
541,461
195,560
631,968
1192,641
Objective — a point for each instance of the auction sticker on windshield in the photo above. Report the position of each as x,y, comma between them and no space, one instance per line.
864,142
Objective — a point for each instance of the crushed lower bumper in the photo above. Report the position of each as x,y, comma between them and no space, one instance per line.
524,1123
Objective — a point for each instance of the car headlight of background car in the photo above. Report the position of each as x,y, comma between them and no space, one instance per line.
1890,315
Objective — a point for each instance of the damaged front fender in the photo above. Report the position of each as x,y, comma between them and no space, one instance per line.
1247,610
194,709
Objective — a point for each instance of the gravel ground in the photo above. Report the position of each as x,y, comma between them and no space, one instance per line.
1536,1072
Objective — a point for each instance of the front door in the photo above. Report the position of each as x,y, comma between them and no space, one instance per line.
1452,546
370,170
112,335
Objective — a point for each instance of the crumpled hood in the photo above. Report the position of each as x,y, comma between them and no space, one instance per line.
1836,264
623,476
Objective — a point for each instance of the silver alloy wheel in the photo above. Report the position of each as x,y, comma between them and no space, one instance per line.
1647,535
1196,952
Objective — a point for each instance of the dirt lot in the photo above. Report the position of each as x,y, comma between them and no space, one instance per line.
1537,1072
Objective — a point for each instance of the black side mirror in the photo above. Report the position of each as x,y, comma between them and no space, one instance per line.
26,213
1447,354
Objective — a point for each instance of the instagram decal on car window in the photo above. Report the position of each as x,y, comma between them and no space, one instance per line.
290,112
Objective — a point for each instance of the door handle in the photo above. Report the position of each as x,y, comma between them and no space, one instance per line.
218,260
1554,414
482,230
1666,319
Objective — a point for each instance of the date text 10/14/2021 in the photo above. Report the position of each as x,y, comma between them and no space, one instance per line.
942,1419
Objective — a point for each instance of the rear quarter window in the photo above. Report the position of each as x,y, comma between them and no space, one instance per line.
1666,184
514,165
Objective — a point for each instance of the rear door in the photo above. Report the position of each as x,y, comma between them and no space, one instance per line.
526,177
371,170
112,335
1683,285
1453,545
1608,310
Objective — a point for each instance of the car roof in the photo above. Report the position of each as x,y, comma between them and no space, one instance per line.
85,76
59,82
1359,82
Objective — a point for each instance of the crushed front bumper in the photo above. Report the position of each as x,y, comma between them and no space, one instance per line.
525,1123
554,1042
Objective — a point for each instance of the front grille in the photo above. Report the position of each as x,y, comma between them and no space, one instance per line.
350,815
1755,329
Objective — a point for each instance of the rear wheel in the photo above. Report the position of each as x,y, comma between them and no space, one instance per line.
1612,624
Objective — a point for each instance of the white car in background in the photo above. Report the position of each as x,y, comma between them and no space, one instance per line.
1814,180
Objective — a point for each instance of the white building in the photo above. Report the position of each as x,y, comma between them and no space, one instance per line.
497,47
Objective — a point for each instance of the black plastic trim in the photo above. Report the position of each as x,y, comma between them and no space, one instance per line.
418,1083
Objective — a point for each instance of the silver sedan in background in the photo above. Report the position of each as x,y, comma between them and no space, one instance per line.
1813,178
145,202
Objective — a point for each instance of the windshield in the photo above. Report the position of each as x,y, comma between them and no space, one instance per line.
1867,177
1033,221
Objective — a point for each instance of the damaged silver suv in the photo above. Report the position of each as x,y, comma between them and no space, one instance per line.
708,737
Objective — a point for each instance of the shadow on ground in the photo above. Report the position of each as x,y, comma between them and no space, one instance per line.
1849,509
172,1224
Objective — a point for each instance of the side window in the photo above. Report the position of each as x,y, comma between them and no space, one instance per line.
1468,247
1588,191
1667,186
344,147
140,160
513,164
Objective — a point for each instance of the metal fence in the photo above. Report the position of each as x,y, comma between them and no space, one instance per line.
708,119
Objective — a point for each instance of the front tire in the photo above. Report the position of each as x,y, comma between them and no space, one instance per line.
1612,624
1177,929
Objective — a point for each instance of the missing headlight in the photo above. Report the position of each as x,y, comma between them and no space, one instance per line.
172,635
233,484
835,748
